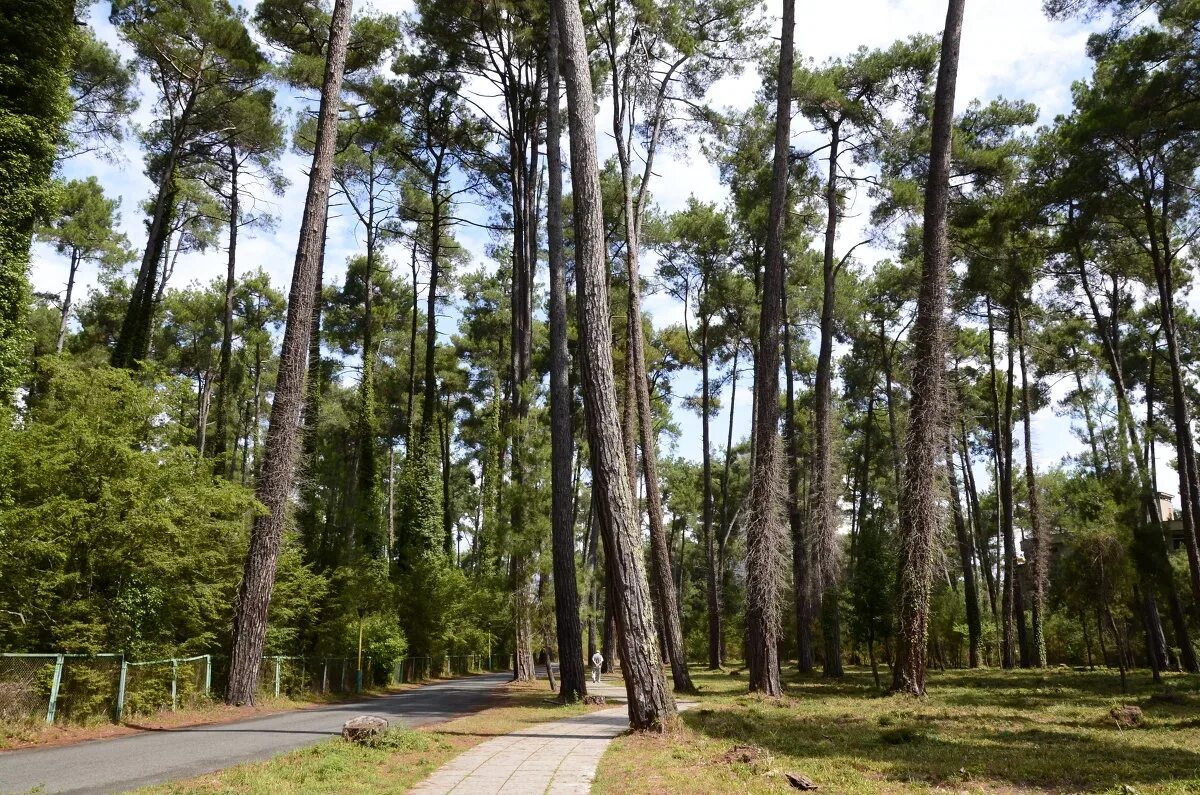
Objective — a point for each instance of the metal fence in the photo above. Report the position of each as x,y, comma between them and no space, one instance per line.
79,688
158,685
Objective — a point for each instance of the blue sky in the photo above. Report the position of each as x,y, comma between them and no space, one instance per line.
1009,49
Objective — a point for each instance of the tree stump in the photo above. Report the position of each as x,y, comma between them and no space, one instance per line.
800,781
364,729
1127,716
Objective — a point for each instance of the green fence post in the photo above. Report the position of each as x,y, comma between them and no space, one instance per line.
174,684
58,668
276,677
121,689
207,675
325,676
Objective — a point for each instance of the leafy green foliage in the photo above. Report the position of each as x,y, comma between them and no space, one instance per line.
35,52
115,538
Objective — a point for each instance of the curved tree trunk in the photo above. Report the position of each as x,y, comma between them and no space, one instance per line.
651,705
283,434
920,515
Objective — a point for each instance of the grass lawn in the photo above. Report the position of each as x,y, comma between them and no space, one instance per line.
406,757
985,732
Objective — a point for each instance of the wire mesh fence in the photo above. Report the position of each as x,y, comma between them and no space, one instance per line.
82,688
25,682
158,685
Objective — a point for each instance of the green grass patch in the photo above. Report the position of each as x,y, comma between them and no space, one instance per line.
976,731
399,760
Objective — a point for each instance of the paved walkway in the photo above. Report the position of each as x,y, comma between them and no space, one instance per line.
558,758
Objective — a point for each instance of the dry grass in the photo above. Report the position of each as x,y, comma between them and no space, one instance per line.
976,732
406,757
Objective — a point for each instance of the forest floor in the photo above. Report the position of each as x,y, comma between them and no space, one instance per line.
976,732
404,758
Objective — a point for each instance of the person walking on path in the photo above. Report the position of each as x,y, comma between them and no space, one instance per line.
597,664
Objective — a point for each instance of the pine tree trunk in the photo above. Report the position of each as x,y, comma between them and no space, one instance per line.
963,536
65,315
412,354
712,558
1002,451
366,532
765,537
1189,487
133,342
226,360
651,705
566,591
825,569
1040,551
800,565
283,434
920,515
981,541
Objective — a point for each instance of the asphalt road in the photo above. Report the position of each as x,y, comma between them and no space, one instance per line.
138,760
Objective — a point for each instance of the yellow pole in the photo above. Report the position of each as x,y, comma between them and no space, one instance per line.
359,676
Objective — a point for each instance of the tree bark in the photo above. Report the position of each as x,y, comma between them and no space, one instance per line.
651,705
963,535
1040,550
283,434
765,538
65,316
825,570
1002,451
920,515
800,564
226,360
712,558
566,591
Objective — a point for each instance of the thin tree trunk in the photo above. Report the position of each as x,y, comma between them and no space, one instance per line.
1040,552
825,569
651,705
919,511
279,466
800,565
981,540
1002,450
412,355
765,538
962,534
712,557
65,317
226,361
